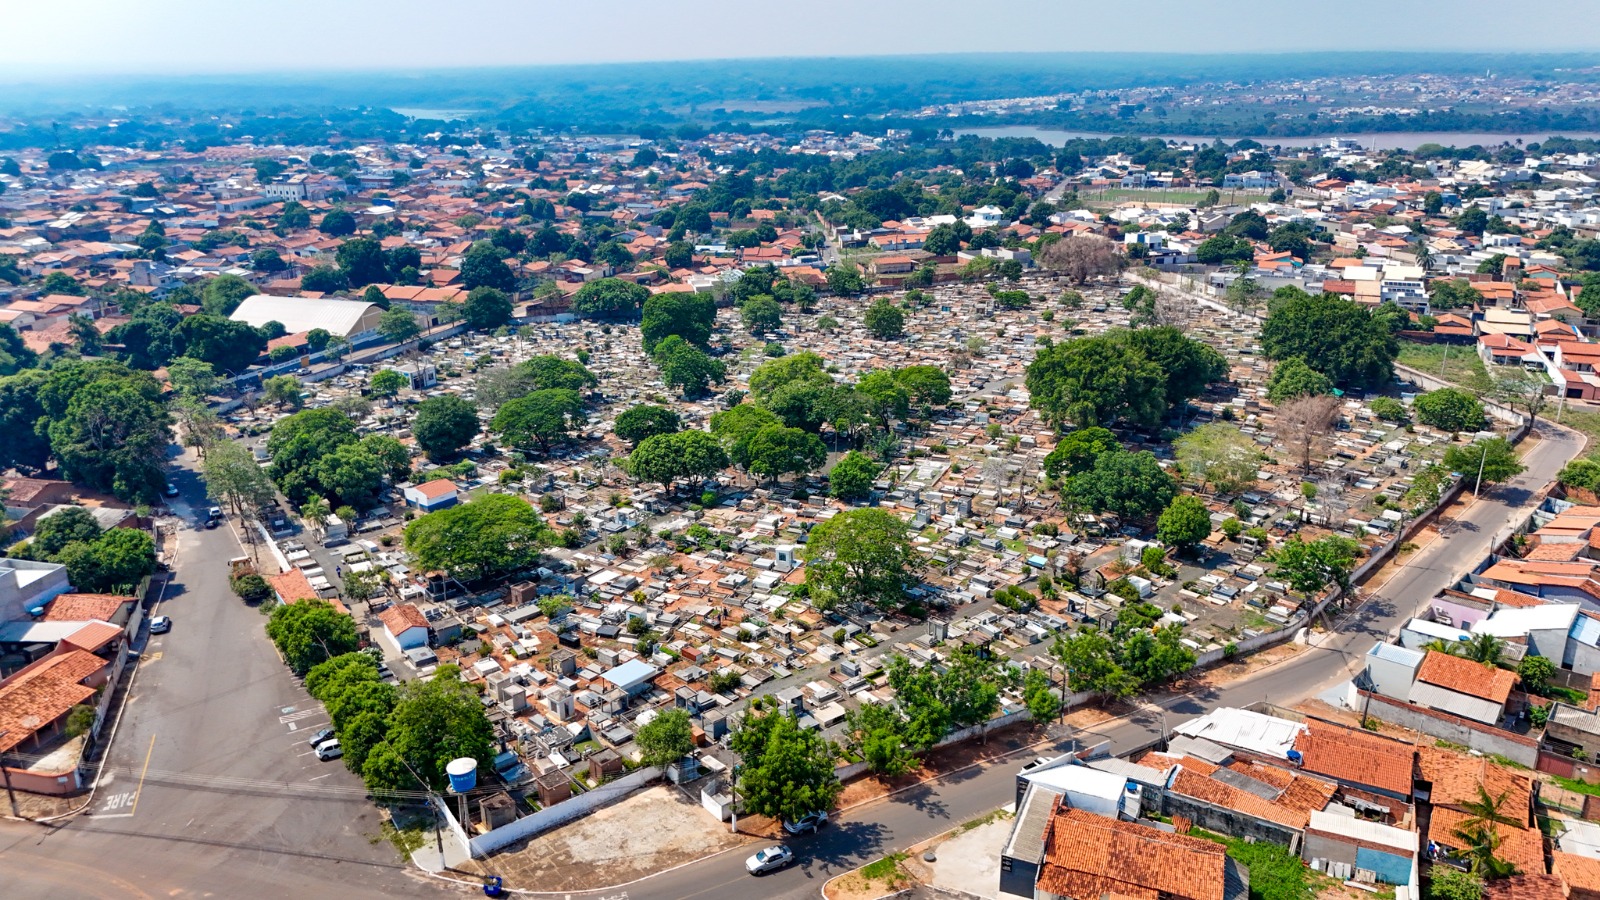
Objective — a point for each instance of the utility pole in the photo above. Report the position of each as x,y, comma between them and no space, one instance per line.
734,809
1481,460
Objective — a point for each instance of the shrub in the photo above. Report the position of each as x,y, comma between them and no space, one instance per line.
251,588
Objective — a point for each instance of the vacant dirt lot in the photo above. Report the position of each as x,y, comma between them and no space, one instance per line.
652,830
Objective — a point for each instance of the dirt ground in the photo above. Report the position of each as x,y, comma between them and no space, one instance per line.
41,806
648,832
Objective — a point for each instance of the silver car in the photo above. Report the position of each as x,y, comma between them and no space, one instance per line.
769,860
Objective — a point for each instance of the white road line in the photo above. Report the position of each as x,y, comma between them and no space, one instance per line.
320,776
296,716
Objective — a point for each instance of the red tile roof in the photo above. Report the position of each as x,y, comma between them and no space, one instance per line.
1092,856
292,586
85,607
44,692
439,487
1464,676
402,616
93,636
1353,756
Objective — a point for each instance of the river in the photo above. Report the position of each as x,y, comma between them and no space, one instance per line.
1401,140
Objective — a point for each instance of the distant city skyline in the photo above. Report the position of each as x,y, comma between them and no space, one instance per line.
72,37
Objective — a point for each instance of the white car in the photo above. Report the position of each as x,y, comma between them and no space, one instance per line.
160,625
769,860
329,750
806,823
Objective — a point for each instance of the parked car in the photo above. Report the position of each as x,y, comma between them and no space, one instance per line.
214,513
329,750
212,523
807,823
321,736
160,625
769,860
172,490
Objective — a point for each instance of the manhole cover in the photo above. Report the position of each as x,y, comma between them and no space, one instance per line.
930,856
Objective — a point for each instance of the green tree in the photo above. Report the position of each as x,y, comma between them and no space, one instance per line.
283,390
927,385
223,294
1453,293
443,425
491,535
665,739
773,374
1388,409
885,320
108,428
1077,450
1350,343
387,383
1185,522
1480,832
689,316
1220,455
844,279
646,420
1096,381
678,255
436,721
761,314
1132,485
350,476
665,458
1293,378
1493,460
1152,657
788,771
1310,566
851,478
609,298
1536,672
335,223
547,372
486,308
228,345
362,262
398,324
63,526
776,451
1449,409
876,732
294,216
686,367
1040,696
308,632
538,418
1090,658
250,588
863,556
234,480
14,353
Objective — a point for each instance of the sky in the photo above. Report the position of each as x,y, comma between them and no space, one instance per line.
67,37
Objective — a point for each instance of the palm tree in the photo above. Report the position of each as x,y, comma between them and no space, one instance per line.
1484,648
1481,834
1439,645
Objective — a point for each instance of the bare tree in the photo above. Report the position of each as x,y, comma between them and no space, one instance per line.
1522,392
1082,257
1303,423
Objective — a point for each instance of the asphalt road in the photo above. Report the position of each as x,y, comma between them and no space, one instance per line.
212,705
210,786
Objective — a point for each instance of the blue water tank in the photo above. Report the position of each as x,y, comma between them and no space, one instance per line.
463,774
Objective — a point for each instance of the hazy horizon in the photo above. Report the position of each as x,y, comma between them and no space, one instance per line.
71,38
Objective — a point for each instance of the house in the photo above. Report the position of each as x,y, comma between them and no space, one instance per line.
404,628
1388,852
1375,770
26,585
429,496
35,702
1462,687
1087,857
632,678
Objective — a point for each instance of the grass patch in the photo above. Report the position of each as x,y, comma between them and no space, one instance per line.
1584,420
1576,786
1275,873
406,841
1462,367
886,870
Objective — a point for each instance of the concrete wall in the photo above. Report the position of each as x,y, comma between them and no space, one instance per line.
1229,821
563,812
1515,747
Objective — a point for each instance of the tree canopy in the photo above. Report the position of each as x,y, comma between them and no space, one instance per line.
1449,409
862,555
788,771
1351,344
1132,485
539,418
609,298
1132,376
665,458
444,424
646,420
491,535
308,632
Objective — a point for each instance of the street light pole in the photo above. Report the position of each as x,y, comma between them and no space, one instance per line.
1484,446
733,827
